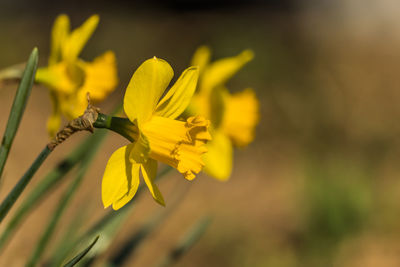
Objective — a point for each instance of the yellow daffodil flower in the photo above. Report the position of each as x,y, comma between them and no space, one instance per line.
233,116
69,78
158,136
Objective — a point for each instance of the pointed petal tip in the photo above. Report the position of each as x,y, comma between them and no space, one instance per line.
63,17
204,49
115,206
106,204
95,18
161,202
247,54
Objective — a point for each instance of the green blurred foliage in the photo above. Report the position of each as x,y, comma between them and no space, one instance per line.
338,205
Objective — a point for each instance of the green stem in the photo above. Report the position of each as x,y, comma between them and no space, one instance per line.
12,197
122,126
111,218
89,146
49,230
18,107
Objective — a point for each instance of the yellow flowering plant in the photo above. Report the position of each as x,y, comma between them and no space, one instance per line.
154,127
70,78
155,133
233,116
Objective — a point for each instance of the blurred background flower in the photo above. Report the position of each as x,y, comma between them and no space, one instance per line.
318,185
233,116
69,78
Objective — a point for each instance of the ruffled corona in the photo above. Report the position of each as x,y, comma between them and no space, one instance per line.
157,135
177,143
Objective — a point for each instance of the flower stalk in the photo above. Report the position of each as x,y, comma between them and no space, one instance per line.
122,126
12,197
84,122
87,149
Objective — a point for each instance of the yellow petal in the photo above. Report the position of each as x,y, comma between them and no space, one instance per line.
178,97
73,105
141,150
100,76
220,71
201,58
199,105
145,89
78,38
217,104
177,143
99,79
54,121
53,124
59,35
56,78
149,172
76,72
133,187
241,116
218,159
120,180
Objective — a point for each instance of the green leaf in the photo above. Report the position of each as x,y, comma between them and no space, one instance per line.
88,147
111,222
49,230
67,242
82,254
18,107
12,197
108,218
189,239
136,238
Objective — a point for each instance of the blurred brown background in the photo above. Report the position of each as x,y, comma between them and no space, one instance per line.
320,184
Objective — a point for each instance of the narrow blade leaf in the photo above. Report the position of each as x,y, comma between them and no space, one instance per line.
88,147
82,254
18,107
189,239
49,230
12,197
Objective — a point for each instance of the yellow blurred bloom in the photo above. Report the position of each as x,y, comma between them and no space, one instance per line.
69,78
158,136
233,116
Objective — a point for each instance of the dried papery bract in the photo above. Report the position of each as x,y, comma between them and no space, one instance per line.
82,123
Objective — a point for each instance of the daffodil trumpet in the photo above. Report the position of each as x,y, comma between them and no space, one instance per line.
155,131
